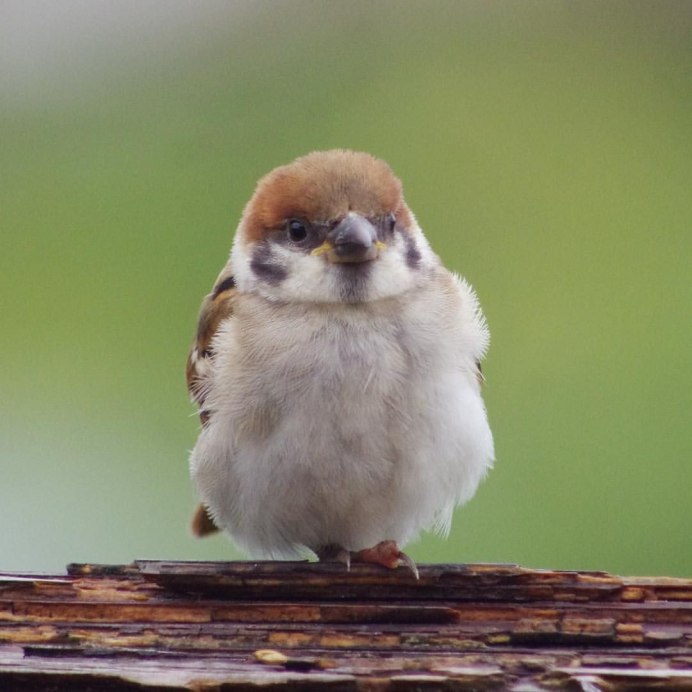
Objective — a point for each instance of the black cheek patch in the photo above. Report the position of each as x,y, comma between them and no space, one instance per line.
265,267
413,256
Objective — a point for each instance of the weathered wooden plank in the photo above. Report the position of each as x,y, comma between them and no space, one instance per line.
169,625
361,582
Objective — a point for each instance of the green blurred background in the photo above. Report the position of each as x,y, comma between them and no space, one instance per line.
546,148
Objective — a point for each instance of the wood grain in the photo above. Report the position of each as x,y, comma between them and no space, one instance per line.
298,625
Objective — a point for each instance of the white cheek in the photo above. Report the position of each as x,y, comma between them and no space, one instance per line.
307,278
393,275
240,262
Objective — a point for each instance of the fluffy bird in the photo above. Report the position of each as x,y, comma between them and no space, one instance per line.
337,372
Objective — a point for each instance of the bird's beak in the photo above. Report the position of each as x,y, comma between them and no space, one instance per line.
353,239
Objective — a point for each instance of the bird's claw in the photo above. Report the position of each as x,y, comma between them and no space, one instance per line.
408,561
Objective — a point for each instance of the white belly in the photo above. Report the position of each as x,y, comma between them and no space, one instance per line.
340,433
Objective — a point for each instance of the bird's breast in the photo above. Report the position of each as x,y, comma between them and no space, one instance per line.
341,424
333,379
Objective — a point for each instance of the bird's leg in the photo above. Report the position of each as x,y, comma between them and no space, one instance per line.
387,554
333,552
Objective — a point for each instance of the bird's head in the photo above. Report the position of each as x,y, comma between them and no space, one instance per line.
329,227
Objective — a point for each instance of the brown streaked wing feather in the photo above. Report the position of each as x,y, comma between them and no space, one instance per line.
216,307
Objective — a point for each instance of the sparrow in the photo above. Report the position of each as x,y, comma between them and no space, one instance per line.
336,369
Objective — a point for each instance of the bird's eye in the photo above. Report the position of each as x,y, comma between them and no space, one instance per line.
297,230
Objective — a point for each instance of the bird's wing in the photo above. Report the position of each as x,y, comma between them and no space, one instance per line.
216,307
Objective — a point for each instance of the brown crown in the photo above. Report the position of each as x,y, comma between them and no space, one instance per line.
323,187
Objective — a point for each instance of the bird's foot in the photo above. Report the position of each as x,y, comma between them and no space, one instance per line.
387,554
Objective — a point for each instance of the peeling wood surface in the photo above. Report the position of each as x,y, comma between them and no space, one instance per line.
298,625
